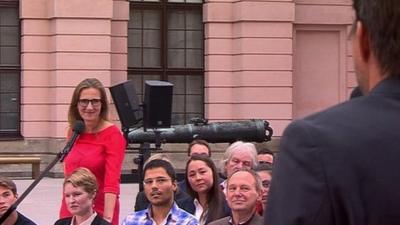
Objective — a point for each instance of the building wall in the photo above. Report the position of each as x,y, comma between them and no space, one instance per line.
321,77
253,69
64,41
249,57
275,60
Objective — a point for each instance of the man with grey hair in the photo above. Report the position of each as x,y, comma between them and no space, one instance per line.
237,156
243,193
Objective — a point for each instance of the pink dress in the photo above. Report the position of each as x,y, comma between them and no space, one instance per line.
103,154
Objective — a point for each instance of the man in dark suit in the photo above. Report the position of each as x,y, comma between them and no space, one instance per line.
340,166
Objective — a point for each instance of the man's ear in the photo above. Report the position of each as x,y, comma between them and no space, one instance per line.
174,186
363,41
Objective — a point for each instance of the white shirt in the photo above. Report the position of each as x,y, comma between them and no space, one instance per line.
223,185
199,211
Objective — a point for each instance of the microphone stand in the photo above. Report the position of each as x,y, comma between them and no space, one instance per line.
144,154
60,155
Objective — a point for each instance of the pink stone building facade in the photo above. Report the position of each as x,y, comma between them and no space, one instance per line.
275,60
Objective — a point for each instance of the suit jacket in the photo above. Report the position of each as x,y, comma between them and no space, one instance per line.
97,221
256,220
340,166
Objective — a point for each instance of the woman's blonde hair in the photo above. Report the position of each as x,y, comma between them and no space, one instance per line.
82,177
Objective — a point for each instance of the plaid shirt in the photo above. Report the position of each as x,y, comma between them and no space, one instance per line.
175,216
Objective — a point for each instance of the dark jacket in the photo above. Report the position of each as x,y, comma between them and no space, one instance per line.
256,220
23,220
340,166
97,221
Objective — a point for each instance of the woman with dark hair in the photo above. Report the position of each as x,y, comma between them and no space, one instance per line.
207,202
100,147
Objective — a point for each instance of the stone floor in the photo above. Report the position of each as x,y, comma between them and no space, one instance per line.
43,203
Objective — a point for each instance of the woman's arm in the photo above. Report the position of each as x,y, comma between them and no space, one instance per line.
115,152
109,205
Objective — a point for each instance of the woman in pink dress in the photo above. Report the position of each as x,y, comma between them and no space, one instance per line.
100,148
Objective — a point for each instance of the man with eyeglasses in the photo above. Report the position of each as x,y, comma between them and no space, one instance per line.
180,194
243,192
196,147
159,186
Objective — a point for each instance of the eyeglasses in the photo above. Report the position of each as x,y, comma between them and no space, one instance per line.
158,181
85,102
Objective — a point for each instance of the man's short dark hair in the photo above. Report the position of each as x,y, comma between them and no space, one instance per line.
8,184
159,163
381,18
199,142
264,151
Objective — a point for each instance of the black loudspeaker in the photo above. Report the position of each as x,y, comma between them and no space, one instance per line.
127,103
158,104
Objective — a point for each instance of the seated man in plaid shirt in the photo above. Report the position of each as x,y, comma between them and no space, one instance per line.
159,187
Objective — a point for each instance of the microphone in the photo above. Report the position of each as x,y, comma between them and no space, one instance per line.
79,127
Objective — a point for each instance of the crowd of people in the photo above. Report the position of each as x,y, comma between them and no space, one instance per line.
92,172
204,196
334,167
